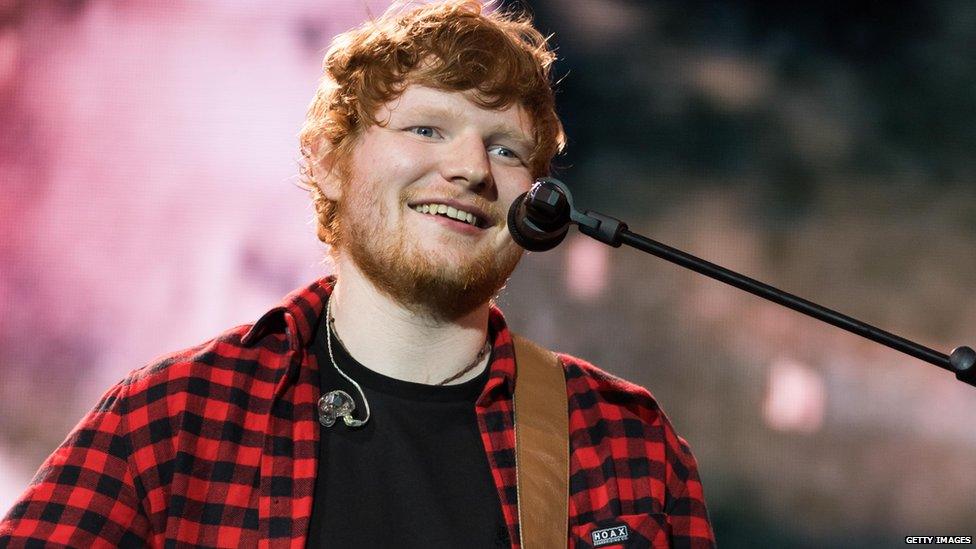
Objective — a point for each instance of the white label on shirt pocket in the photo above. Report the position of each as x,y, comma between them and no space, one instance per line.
607,536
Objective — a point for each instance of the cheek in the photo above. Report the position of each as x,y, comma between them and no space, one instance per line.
396,160
385,170
511,183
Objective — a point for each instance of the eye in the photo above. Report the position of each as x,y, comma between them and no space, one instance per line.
425,131
504,152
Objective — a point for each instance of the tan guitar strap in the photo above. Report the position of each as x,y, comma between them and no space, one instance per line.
541,446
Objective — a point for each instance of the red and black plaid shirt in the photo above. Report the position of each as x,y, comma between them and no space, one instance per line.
216,446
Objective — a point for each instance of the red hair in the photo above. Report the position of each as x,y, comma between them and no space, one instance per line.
456,46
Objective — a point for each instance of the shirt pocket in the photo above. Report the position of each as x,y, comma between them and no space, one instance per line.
649,530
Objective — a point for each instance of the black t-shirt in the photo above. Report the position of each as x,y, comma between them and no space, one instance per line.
416,475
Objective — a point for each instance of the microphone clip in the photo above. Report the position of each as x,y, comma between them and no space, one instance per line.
540,218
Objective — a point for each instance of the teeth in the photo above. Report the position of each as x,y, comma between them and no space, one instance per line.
449,211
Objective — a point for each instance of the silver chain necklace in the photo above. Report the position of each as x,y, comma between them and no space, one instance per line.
338,403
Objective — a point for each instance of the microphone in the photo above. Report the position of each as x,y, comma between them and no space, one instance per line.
539,219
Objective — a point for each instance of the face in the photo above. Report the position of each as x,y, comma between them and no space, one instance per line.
436,157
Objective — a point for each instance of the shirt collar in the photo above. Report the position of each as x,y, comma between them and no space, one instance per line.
298,314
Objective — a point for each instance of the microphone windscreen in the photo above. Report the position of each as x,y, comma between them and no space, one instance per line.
526,230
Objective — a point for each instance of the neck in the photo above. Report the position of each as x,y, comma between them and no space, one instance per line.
389,338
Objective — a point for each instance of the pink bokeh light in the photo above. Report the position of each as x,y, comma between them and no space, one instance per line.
587,267
795,397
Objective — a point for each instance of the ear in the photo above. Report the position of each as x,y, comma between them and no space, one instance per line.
326,173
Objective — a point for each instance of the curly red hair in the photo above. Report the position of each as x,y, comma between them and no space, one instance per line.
455,45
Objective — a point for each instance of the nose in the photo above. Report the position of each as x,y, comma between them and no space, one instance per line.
466,163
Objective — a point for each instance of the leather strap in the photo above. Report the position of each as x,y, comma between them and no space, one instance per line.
541,446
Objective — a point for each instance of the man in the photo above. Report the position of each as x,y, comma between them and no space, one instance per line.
374,408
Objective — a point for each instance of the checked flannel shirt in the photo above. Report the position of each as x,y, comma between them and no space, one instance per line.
216,446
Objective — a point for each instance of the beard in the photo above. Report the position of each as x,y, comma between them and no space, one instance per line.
441,288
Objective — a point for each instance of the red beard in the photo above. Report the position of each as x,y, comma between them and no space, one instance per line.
443,290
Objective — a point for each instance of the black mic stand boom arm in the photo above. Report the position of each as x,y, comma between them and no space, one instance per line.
548,209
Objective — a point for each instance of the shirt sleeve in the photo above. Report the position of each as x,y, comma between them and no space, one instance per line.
685,500
84,494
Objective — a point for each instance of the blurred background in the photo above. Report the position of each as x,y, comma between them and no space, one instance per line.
148,163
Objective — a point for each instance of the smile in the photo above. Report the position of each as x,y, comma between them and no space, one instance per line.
443,210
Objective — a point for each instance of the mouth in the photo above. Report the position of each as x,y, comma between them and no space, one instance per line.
454,212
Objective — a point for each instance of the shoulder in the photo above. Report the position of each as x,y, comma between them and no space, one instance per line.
608,406
592,387
215,368
254,355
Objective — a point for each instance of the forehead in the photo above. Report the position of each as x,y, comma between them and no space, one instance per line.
459,107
